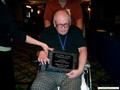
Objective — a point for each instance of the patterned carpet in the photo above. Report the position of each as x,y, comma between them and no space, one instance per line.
25,68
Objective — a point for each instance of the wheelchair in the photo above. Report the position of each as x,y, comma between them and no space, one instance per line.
86,78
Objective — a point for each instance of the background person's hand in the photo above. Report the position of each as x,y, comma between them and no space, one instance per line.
46,48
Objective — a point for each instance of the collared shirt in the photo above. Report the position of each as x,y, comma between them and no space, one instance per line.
72,6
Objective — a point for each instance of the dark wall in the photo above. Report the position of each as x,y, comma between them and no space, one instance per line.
103,13
105,46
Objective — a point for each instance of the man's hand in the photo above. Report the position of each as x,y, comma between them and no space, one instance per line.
42,57
74,73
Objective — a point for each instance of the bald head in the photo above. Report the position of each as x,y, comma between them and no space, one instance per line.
61,15
62,21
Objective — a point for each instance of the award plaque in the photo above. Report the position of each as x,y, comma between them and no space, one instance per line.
61,61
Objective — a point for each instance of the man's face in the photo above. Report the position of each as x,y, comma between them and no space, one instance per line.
62,25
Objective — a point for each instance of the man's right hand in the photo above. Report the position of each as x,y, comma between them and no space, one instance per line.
42,57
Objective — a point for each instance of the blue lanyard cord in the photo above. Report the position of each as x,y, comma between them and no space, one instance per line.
63,44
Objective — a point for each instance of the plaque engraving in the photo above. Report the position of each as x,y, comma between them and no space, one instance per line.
61,61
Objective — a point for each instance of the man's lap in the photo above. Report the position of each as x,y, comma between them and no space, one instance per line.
50,80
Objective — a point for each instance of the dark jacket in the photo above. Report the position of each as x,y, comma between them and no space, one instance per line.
8,28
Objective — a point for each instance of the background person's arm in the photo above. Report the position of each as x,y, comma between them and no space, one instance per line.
79,23
47,23
33,41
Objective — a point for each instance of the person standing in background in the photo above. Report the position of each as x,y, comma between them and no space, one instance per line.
9,31
72,6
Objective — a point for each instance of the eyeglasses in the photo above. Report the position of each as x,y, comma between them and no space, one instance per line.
66,25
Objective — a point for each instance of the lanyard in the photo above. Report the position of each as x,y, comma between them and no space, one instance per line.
63,44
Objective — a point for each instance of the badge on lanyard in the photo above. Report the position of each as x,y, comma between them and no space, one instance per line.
68,11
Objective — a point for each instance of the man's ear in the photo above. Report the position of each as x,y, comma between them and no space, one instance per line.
54,24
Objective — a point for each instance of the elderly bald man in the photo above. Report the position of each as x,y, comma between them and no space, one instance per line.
65,37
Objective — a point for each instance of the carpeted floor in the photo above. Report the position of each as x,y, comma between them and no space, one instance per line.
25,68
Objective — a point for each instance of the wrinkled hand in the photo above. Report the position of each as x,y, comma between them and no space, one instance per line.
42,57
74,74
